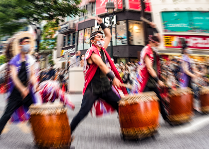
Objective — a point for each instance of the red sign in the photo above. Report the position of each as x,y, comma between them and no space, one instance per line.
120,4
101,4
194,42
136,5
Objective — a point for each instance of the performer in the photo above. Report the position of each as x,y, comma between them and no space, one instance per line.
187,71
97,75
149,73
22,75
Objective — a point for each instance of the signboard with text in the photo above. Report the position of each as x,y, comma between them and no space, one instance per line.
101,4
186,21
136,5
194,42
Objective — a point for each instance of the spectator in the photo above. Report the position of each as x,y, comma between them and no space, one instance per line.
51,73
75,60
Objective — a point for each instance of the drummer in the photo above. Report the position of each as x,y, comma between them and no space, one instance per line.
149,72
187,71
97,76
20,68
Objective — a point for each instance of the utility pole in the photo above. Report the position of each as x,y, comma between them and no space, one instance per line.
144,23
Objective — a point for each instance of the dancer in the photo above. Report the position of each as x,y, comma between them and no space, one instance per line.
97,75
149,73
22,75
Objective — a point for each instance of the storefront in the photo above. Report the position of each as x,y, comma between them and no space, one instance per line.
127,35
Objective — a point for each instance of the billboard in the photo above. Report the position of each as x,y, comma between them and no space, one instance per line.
194,42
186,21
101,4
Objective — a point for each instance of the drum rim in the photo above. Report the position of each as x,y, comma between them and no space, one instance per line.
152,94
180,91
46,106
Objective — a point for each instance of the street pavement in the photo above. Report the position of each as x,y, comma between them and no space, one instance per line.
104,133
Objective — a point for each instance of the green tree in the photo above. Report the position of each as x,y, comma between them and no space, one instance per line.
15,14
2,59
48,36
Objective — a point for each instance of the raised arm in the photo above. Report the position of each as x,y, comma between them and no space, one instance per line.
107,33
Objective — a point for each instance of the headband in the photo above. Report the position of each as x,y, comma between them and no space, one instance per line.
150,38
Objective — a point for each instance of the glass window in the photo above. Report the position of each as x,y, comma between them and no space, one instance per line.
80,39
121,33
87,38
81,17
136,36
89,10
113,37
64,41
73,38
69,40
93,9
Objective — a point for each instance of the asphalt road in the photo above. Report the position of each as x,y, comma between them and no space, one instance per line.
104,133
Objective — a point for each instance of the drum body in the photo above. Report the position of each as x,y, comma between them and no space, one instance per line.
50,126
181,105
139,115
204,99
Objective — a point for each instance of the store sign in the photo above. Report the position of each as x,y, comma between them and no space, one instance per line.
67,51
186,21
136,5
106,21
195,42
101,4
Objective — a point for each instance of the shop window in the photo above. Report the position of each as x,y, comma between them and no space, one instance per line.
80,39
81,16
135,31
89,10
73,38
93,9
69,40
64,41
121,33
87,38
113,37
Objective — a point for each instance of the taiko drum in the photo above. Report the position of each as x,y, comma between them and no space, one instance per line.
204,99
50,125
139,115
181,105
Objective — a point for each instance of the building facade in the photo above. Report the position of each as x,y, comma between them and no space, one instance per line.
187,19
127,29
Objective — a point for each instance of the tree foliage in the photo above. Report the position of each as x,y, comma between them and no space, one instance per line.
2,59
48,41
15,14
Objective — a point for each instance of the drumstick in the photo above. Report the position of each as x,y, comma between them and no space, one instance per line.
145,20
127,86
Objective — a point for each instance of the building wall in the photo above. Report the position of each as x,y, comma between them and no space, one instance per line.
159,6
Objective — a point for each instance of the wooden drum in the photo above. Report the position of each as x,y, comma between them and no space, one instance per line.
204,99
50,125
139,115
181,105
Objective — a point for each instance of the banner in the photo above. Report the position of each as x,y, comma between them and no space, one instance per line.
194,42
136,5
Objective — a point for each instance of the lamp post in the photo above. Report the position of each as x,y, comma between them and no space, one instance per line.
110,10
144,24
